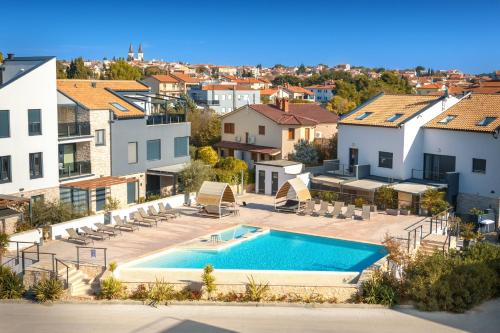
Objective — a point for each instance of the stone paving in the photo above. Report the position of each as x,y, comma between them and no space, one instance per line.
259,211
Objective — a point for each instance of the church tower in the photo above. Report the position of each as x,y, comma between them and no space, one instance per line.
140,54
130,56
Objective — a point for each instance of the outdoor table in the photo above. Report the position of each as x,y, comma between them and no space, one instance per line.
485,224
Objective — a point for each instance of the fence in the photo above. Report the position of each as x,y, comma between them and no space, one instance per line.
435,224
97,256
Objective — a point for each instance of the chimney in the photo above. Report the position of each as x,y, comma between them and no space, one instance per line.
284,105
277,101
10,56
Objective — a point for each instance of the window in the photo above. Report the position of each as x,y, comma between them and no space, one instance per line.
479,165
5,171
119,107
4,124
291,134
154,150
100,137
363,115
262,130
486,121
132,152
394,117
100,198
447,119
384,160
181,146
36,165
229,128
34,122
131,191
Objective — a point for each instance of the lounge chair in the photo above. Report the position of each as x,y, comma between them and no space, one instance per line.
349,213
323,209
153,212
290,206
366,212
74,236
147,216
337,209
94,234
107,229
123,224
213,211
309,209
165,210
138,219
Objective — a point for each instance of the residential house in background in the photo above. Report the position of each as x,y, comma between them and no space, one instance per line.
224,98
251,82
296,92
112,144
164,84
322,92
431,89
28,127
259,132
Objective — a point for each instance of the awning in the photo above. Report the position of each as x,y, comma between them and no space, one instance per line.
167,170
365,184
213,193
99,182
412,188
248,147
298,188
329,180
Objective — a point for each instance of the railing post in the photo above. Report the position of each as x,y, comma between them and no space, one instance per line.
409,241
77,257
38,251
22,264
105,258
415,239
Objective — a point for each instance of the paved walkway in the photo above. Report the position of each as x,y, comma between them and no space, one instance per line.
259,211
93,318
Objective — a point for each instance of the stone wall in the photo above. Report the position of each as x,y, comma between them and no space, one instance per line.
50,193
100,155
466,201
9,223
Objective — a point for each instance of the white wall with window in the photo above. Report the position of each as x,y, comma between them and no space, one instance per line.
28,127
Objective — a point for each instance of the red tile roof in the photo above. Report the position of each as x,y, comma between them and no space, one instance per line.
225,87
184,77
322,86
298,90
165,78
269,91
431,86
298,114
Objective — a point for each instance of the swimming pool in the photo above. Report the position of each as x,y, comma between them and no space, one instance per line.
236,232
276,251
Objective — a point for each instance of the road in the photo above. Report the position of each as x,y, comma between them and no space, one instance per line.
96,318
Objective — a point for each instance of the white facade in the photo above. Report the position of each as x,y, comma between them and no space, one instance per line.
30,83
282,173
322,94
405,143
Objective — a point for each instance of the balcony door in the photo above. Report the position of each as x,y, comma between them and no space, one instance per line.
353,158
262,181
436,166
67,157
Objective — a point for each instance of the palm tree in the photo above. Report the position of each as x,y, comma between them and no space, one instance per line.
4,244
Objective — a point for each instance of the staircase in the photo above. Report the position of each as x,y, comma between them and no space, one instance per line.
79,283
432,243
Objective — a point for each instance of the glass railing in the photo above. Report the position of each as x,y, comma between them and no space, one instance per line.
74,129
74,169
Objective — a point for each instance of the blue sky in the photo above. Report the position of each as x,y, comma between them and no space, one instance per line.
396,34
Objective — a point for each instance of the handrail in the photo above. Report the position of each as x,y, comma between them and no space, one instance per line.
92,248
436,220
59,261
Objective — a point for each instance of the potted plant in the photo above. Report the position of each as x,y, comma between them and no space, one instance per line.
468,233
404,209
476,212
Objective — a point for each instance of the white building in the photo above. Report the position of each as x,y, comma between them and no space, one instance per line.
322,92
28,127
271,175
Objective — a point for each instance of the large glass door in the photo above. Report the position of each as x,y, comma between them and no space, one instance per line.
262,181
274,183
436,166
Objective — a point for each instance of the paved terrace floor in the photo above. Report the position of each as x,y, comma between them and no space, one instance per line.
259,211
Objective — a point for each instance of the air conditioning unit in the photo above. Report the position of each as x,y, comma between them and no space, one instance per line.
237,138
318,135
251,140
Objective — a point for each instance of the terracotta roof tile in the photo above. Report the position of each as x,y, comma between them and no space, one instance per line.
99,96
298,114
165,78
297,90
321,86
225,87
185,78
468,112
385,106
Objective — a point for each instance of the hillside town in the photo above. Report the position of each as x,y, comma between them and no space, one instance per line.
144,181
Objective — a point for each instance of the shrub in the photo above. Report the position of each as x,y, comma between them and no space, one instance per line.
255,292
111,288
433,201
381,288
140,293
305,152
112,266
386,197
359,202
187,294
48,290
11,286
208,155
4,244
209,280
161,292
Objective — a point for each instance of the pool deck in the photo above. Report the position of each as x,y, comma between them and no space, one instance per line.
258,212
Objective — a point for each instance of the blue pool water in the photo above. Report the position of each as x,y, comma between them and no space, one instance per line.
277,250
236,232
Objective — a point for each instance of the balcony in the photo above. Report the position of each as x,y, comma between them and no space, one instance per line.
431,175
160,119
207,102
80,168
67,130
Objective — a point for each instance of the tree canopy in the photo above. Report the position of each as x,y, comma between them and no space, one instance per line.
205,124
305,152
121,70
77,70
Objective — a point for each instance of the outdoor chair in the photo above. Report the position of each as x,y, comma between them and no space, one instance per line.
123,224
323,209
165,210
289,206
153,212
138,219
349,213
337,208
366,212
94,234
147,216
74,236
107,229
309,209
213,211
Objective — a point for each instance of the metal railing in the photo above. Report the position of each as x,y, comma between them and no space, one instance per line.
66,275
430,225
339,169
161,119
75,169
73,129
428,175
92,252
